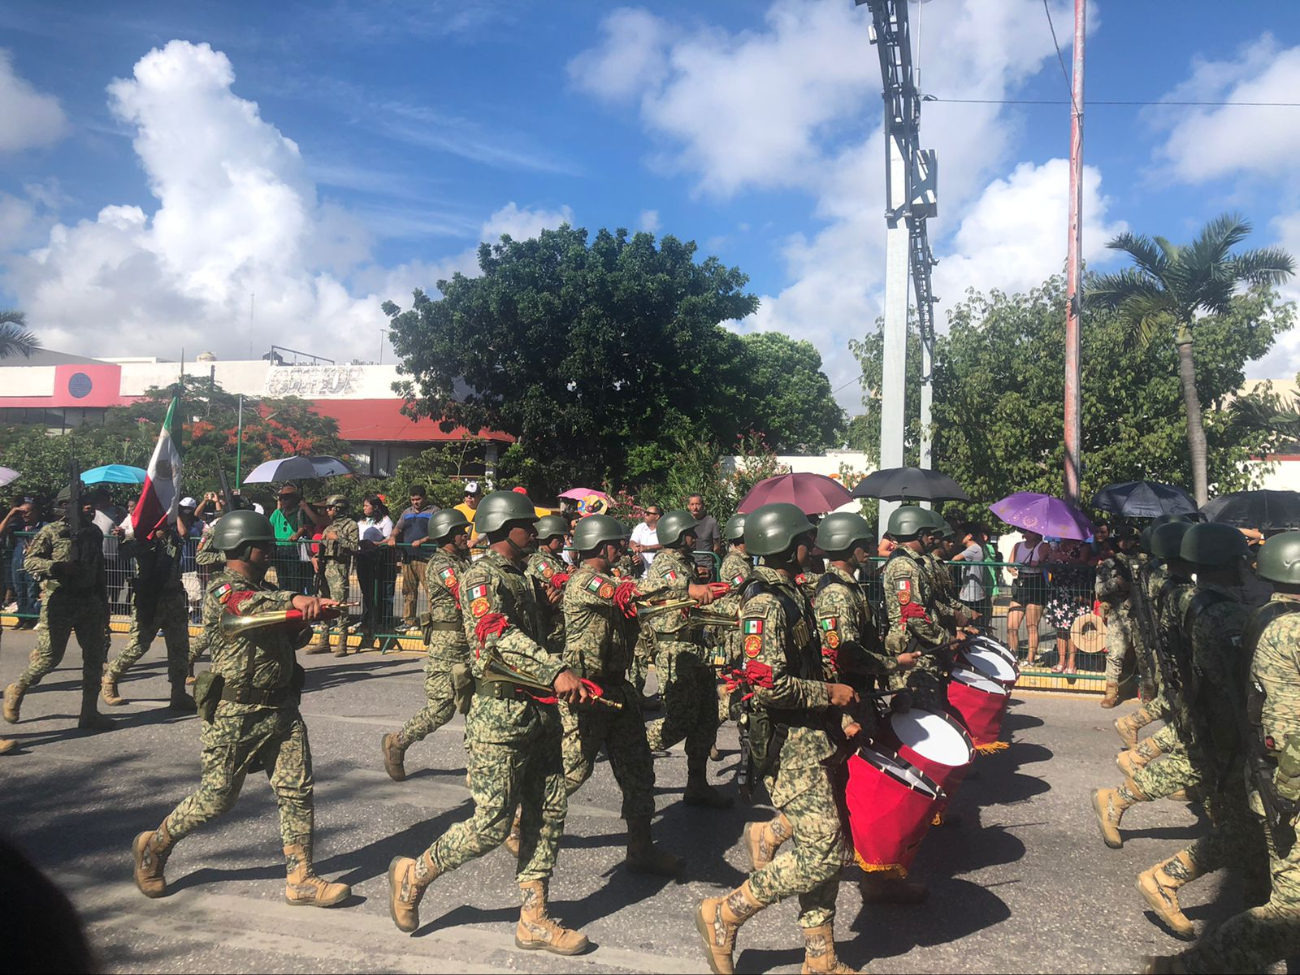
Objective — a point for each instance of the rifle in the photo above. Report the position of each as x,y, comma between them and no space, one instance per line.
73,512
227,495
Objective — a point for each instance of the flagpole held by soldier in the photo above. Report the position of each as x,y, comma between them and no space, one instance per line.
249,705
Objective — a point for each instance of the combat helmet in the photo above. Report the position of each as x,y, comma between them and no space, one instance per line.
1167,539
1213,544
234,530
551,526
734,530
592,532
908,521
839,531
1279,559
673,525
443,524
500,508
337,501
774,528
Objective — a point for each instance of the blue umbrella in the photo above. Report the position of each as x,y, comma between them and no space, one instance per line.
114,474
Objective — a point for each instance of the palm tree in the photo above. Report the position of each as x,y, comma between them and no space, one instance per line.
1171,285
14,337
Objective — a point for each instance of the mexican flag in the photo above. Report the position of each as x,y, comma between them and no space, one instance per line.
161,493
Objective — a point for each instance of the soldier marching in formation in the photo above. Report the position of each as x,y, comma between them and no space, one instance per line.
339,544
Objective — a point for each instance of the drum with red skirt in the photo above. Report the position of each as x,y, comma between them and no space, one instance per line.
991,659
980,703
891,804
935,743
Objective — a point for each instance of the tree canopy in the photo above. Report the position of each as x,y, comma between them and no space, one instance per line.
602,356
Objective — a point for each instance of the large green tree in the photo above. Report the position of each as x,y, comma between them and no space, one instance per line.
600,356
1169,292
792,397
15,339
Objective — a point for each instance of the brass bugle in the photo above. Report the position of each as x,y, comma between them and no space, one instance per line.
646,609
497,666
232,624
712,617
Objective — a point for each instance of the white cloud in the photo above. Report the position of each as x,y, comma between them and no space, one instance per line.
631,56
1205,143
649,221
1015,235
237,215
523,223
31,119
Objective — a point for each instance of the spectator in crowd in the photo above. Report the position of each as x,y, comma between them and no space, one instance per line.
1070,595
292,563
376,571
645,539
1028,592
468,506
412,529
26,587
1100,535
975,579
708,536
108,516
10,525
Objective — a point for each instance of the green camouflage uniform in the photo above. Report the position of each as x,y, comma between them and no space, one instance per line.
160,603
515,759
205,555
444,638
74,598
806,583
243,738
725,640
687,682
778,630
849,640
1257,938
543,566
599,648
337,554
905,584
1114,580
943,594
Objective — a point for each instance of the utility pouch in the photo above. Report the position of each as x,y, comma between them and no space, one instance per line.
462,686
296,683
207,694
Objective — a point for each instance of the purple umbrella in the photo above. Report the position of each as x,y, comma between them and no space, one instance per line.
813,494
1043,514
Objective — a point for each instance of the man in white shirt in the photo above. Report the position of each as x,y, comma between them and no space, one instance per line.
645,536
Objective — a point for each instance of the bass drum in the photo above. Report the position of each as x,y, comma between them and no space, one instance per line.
891,804
988,642
980,703
993,664
935,743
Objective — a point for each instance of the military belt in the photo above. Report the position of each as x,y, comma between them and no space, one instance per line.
498,690
253,695
443,627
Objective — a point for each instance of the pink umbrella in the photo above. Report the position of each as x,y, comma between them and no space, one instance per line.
578,494
813,494
1043,514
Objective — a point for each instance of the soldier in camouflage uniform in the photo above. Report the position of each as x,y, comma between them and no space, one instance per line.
1261,936
447,681
546,565
687,680
783,666
161,603
913,621
949,610
1114,581
249,702
74,598
600,641
512,732
725,640
205,555
339,544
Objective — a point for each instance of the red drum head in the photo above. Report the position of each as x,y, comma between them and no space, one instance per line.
980,703
891,805
993,665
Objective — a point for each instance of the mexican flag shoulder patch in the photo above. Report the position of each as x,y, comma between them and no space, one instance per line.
479,592
754,627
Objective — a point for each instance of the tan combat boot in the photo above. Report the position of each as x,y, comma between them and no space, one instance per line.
718,919
108,691
302,888
341,645
513,838
321,643
1159,886
7,745
1110,804
643,857
1112,696
394,755
763,839
1128,726
90,719
151,850
819,953
538,930
699,792
407,881
13,702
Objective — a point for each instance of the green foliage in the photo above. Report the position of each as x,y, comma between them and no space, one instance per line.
441,470
792,394
864,431
602,356
15,339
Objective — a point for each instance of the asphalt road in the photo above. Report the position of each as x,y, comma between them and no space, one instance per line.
1023,884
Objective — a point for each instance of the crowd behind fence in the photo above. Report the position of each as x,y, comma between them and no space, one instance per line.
386,597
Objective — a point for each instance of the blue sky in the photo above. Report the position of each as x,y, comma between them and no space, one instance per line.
169,161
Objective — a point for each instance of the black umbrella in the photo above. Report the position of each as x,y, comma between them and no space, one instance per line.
909,484
1262,510
1144,499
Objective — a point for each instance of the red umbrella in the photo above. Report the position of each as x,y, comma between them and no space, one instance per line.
813,494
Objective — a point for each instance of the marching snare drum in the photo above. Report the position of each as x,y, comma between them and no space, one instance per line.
980,703
989,662
891,804
935,743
